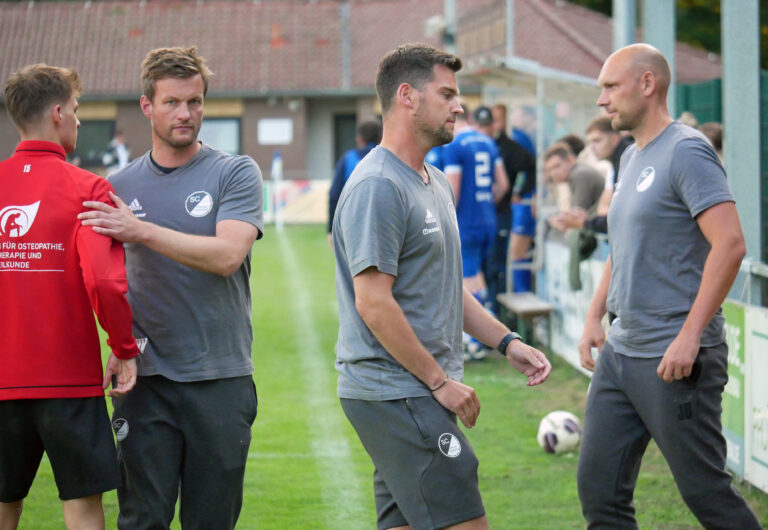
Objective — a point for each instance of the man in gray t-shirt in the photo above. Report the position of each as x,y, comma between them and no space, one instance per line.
402,306
421,250
189,216
676,246
585,183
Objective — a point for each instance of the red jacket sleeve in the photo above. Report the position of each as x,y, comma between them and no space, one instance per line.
102,260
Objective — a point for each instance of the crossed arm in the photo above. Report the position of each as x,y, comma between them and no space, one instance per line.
220,254
385,318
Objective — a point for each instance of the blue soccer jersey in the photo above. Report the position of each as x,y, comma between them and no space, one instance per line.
475,156
435,157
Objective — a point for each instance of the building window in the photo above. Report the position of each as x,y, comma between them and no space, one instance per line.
275,131
222,134
92,140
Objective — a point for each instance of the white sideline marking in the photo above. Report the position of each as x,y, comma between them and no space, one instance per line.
330,449
293,456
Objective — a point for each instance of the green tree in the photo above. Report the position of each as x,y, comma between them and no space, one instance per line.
698,23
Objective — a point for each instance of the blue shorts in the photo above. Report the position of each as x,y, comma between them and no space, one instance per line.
523,221
476,245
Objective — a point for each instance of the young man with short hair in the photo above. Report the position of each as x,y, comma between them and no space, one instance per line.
520,166
476,172
402,307
368,136
54,274
585,183
194,215
607,144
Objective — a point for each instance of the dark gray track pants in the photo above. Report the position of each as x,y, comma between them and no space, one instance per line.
628,404
183,439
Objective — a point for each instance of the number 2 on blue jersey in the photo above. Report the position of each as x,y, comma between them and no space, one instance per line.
483,169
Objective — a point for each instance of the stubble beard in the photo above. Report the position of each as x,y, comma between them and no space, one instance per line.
434,135
176,143
625,122
441,136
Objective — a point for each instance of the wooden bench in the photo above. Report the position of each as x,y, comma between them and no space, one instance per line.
527,307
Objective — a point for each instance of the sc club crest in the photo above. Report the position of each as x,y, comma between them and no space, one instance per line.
15,221
199,204
449,445
645,179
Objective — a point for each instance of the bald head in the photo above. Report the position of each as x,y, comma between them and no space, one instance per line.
634,82
641,58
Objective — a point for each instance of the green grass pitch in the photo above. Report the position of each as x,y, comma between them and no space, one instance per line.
306,467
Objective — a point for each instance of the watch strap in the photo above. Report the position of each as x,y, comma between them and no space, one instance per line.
509,337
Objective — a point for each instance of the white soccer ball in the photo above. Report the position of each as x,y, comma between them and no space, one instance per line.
559,432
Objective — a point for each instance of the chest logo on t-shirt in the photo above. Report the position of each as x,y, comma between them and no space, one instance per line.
136,208
15,221
430,220
645,180
199,204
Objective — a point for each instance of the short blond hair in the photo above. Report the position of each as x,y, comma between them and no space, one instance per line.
30,91
179,62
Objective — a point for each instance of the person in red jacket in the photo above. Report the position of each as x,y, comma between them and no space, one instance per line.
54,274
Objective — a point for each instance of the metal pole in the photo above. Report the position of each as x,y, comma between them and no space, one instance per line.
659,31
449,38
346,49
741,126
623,23
510,29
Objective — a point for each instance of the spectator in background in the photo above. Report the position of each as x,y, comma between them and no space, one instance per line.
368,136
689,119
575,143
117,154
435,157
478,179
523,215
524,127
520,166
714,133
607,144
585,184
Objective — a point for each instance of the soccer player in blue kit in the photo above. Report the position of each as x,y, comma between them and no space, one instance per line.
476,172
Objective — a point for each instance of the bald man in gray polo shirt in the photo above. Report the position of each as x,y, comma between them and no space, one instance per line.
676,246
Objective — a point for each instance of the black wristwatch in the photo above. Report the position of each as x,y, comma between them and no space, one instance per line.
509,337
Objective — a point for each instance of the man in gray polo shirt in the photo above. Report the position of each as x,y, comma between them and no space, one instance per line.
676,246
189,215
402,306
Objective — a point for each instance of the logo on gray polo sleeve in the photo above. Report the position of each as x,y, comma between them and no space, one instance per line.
199,204
449,445
120,426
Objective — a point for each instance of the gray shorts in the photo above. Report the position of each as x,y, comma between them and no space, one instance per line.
425,470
